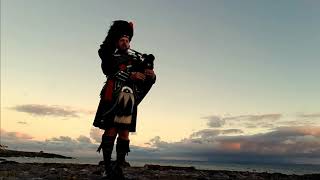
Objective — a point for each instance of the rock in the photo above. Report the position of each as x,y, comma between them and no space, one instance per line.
84,170
52,169
152,167
240,176
220,176
158,167
256,177
52,177
25,173
97,172
9,162
8,174
101,163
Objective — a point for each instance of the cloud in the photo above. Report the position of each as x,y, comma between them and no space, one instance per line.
286,144
22,122
210,133
248,121
299,122
283,144
205,134
252,125
66,139
14,136
84,139
274,121
298,131
47,110
156,142
270,117
64,145
96,134
231,131
215,121
314,115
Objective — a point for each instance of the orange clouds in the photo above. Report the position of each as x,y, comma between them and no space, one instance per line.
15,135
230,146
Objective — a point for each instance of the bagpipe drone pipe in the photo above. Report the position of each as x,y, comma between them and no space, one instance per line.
145,61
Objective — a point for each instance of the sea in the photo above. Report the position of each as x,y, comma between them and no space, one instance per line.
298,169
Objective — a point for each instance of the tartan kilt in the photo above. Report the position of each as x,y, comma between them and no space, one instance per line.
107,108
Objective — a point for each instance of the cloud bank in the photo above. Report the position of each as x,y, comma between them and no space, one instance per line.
50,110
293,141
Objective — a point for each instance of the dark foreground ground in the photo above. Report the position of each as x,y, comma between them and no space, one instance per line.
37,171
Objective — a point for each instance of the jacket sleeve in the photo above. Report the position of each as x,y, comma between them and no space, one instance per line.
105,53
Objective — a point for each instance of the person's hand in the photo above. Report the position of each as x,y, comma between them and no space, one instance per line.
137,76
149,73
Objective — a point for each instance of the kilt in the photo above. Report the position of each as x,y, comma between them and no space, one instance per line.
108,107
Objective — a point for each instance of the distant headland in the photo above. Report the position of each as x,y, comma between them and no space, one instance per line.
14,153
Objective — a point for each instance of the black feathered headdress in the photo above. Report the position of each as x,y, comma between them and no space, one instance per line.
119,29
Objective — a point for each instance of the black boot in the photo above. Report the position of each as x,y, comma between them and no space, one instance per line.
122,150
107,147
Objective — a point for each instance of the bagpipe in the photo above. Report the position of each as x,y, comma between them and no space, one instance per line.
145,61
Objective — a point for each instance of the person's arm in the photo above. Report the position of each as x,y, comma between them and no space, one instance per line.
114,68
105,53
122,71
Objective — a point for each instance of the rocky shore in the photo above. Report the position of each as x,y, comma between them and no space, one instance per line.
37,171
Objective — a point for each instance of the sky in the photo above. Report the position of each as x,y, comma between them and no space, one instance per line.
236,80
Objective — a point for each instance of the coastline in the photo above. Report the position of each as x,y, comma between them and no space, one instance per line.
15,170
15,153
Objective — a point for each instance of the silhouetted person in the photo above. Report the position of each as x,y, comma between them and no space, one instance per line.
128,81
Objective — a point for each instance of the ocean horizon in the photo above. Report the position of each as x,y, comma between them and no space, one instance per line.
298,169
